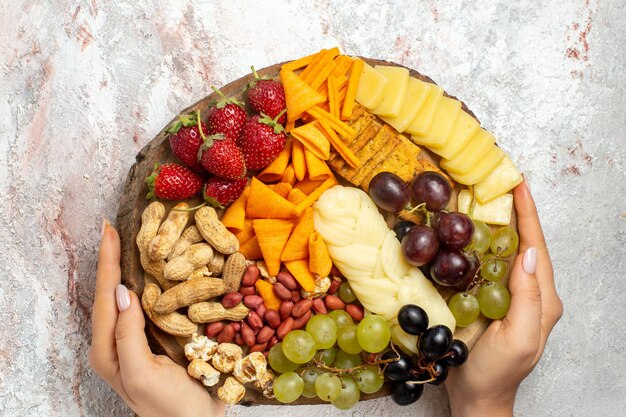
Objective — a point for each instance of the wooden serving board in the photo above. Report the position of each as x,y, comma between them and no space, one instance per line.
133,202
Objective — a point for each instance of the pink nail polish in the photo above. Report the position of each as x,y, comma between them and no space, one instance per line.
526,183
529,262
105,222
122,297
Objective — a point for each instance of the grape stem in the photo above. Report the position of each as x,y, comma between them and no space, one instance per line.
477,282
340,371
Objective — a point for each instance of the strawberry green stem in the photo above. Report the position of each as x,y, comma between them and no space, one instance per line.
200,125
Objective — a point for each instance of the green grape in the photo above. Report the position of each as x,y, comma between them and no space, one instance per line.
347,339
505,241
340,317
494,300
349,395
288,387
309,375
373,333
346,293
481,238
326,356
347,360
464,307
328,387
369,379
299,346
493,269
278,361
323,330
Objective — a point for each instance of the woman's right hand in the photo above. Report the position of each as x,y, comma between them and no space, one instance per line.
508,351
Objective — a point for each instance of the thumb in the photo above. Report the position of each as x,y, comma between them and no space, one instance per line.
132,345
524,315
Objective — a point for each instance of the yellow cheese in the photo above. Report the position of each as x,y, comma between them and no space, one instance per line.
442,124
497,211
473,152
420,125
416,93
395,90
371,87
464,129
484,167
501,180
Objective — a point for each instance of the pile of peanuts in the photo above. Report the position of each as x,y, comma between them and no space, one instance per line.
264,327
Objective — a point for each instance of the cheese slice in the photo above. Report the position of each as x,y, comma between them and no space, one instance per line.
416,93
473,152
371,87
497,211
420,125
484,167
501,180
442,124
464,129
395,90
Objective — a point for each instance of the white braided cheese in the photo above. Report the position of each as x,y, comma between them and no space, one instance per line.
368,254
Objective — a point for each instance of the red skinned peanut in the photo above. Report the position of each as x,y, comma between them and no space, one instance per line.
285,310
334,303
300,322
272,317
355,311
287,280
251,276
319,307
282,292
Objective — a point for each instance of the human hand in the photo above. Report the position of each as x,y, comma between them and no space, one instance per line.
151,385
508,351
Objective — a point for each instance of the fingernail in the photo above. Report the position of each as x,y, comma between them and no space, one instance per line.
526,182
122,297
103,228
529,262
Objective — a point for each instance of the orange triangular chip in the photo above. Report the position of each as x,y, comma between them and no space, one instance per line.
246,233
264,203
289,176
251,249
313,139
266,290
272,235
298,245
282,188
296,196
299,96
297,160
318,170
235,214
319,259
307,185
300,271
312,198
275,171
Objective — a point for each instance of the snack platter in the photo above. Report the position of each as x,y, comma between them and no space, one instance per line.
258,390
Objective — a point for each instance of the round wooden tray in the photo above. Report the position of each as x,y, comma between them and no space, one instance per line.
133,202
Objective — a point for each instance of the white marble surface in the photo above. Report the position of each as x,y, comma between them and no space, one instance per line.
85,84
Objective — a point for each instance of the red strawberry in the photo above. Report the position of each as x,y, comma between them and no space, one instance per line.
221,157
266,96
226,117
261,140
173,182
220,192
185,139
